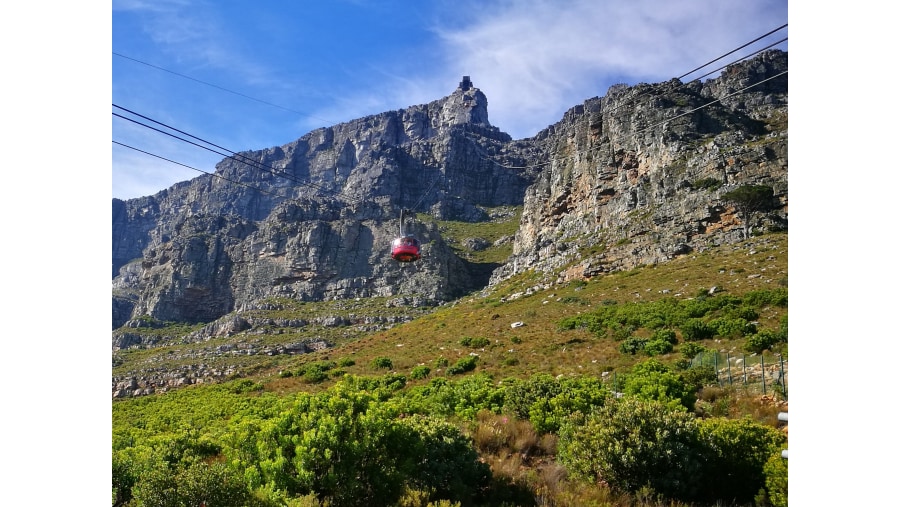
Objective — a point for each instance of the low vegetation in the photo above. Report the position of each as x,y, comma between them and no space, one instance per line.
587,392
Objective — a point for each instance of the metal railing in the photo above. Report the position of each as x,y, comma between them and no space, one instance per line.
765,372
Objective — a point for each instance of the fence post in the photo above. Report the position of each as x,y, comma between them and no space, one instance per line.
728,361
783,384
762,371
744,367
716,367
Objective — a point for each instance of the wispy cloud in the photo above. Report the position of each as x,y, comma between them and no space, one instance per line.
535,59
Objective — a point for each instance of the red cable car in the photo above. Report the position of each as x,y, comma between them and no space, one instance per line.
405,248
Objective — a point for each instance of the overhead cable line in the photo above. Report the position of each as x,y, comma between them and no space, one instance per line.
198,170
770,46
227,153
634,99
732,51
223,89
742,90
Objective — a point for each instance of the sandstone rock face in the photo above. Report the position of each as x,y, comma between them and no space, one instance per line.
637,177
632,178
314,219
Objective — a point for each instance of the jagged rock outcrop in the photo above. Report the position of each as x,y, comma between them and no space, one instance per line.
637,177
314,219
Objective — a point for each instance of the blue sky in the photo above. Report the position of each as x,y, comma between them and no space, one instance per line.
254,77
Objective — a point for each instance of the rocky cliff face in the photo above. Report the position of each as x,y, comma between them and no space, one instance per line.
314,219
631,178
637,177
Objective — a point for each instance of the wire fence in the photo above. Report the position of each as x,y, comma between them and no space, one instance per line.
766,374
763,374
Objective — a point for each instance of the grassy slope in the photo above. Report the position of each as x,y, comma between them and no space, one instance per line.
537,346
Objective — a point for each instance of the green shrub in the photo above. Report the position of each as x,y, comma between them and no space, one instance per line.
633,445
736,452
700,376
732,327
316,372
691,350
547,401
696,329
745,312
420,372
382,362
315,376
666,335
441,362
463,365
245,386
346,362
761,298
445,462
632,345
776,473
521,395
763,340
653,381
657,347
193,485
475,343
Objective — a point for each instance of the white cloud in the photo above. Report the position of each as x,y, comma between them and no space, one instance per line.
535,59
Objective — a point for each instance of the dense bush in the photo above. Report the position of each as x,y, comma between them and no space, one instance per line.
522,394
463,365
476,343
696,329
691,350
632,444
420,372
732,327
445,463
196,484
776,473
657,347
339,445
462,398
576,395
761,298
653,381
700,376
666,335
736,452
763,340
632,345
698,318
382,362
637,445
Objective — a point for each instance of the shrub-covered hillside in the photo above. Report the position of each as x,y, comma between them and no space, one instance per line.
532,392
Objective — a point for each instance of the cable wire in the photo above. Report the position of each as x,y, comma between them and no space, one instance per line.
195,169
237,157
223,89
634,99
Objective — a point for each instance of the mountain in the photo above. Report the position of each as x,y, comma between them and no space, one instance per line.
639,176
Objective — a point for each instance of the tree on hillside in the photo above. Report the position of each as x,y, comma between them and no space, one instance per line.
749,199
